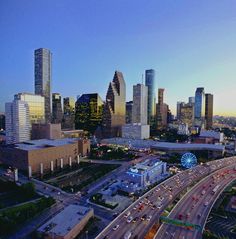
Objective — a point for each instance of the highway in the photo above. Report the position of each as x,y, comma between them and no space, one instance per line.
147,209
196,205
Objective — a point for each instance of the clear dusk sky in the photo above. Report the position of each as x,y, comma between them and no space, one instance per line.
190,43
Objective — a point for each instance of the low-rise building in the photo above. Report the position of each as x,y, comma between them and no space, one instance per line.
67,224
46,131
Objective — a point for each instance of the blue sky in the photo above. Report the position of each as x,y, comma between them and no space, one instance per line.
188,43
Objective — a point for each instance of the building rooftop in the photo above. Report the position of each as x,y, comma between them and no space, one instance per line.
43,143
140,144
65,221
147,164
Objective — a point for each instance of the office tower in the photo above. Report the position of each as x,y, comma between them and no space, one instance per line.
56,108
199,107
178,109
209,111
88,112
186,113
43,77
191,100
151,84
161,110
2,121
114,108
69,105
36,106
129,108
17,121
68,121
139,112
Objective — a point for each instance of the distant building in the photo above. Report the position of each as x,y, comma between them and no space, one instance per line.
56,108
76,133
67,224
209,111
43,77
191,100
186,113
179,103
36,106
129,108
2,121
150,82
199,108
88,112
44,155
68,121
183,129
139,110
17,121
136,131
161,110
46,131
114,108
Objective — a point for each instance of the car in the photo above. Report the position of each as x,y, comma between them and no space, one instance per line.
144,217
154,207
199,215
188,215
180,216
127,214
115,227
206,203
149,217
135,207
135,219
130,219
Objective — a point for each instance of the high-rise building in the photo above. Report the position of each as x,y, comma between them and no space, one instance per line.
151,84
68,121
88,112
43,77
56,108
114,108
161,110
191,100
36,106
209,111
139,112
186,114
17,121
178,109
199,107
2,121
129,108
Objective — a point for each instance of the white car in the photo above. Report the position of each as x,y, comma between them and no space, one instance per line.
115,227
127,214
129,220
149,217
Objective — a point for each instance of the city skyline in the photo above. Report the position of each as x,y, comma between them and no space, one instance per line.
186,54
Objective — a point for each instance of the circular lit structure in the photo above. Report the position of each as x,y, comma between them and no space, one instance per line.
188,160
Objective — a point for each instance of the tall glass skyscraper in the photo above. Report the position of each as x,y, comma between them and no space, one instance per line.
42,77
151,84
199,107
209,111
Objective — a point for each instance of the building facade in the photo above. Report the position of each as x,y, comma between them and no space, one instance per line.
68,121
186,114
161,110
129,108
88,112
36,106
114,109
199,107
2,121
43,77
17,121
151,84
136,131
56,108
139,111
209,111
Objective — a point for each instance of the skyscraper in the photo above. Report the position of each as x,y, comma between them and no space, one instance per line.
36,106
151,84
114,108
56,108
186,113
129,108
199,107
139,111
68,121
17,122
161,110
42,77
209,111
88,112
178,109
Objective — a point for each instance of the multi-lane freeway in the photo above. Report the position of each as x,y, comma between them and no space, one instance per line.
139,217
195,206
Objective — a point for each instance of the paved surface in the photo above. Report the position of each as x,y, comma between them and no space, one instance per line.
195,206
160,196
